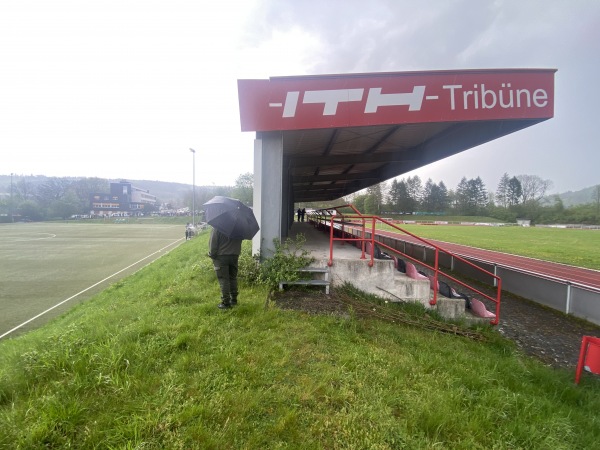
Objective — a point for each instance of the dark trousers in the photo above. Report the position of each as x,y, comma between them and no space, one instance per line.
226,268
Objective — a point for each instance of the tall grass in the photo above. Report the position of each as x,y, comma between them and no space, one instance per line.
152,363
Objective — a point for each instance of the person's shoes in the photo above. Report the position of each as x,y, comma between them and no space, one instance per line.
223,306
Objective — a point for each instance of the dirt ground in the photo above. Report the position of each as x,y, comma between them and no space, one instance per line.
550,336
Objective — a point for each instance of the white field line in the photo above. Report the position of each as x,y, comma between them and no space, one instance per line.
87,289
19,239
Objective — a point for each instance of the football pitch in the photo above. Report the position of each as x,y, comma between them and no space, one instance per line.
47,268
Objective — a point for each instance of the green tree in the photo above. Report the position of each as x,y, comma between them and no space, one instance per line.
533,188
428,194
514,192
374,199
502,191
23,189
359,202
63,208
478,195
414,191
394,195
461,196
244,188
405,203
205,193
30,210
435,197
441,198
82,189
471,196
53,189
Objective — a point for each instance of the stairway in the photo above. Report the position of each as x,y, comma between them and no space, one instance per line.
322,274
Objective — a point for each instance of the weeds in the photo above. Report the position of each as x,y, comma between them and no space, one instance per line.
284,264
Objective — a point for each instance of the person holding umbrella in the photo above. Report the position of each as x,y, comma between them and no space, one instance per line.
231,222
225,253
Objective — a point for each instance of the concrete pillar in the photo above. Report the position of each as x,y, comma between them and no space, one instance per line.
268,196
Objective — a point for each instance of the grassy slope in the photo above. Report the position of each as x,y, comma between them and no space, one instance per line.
152,363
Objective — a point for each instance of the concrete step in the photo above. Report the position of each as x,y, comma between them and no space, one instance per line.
315,270
455,309
409,289
310,282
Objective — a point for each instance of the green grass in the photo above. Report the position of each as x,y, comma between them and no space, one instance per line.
568,246
44,263
458,219
152,363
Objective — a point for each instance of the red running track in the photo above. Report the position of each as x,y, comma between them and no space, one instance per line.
545,269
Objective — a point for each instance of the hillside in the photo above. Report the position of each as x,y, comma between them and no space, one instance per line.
165,191
570,198
171,192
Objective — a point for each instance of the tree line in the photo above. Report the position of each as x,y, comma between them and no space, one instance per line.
51,198
521,196
47,198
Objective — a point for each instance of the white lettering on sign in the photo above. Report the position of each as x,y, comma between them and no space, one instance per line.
413,100
506,97
478,97
331,98
291,100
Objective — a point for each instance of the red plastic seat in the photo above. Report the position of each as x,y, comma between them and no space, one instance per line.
589,356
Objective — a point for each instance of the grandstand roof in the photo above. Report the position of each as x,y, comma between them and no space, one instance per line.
343,133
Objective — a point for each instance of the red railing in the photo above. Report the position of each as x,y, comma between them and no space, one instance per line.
346,226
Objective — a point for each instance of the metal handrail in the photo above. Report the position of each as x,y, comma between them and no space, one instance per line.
340,221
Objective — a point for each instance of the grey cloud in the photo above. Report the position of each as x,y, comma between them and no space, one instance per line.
395,35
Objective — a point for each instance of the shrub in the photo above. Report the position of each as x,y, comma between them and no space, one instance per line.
289,257
249,265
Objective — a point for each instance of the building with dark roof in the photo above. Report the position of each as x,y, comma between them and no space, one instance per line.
123,200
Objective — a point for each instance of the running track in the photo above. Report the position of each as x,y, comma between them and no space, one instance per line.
545,269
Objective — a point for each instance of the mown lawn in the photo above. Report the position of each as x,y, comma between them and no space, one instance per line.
44,263
567,246
152,363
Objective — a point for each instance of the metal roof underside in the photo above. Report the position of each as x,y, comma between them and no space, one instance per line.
327,164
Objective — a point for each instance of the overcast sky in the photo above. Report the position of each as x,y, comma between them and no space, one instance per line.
123,89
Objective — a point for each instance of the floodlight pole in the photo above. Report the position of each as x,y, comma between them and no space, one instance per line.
193,186
12,214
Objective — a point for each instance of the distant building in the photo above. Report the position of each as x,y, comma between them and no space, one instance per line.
124,200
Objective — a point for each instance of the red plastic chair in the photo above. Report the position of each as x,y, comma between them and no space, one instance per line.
589,357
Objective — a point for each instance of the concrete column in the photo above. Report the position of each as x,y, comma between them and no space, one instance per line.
268,192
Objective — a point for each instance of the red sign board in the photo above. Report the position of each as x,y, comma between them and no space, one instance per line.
331,101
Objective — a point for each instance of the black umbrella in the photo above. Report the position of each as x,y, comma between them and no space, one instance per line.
231,217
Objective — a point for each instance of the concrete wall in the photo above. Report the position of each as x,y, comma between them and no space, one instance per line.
382,279
557,294
584,304
269,195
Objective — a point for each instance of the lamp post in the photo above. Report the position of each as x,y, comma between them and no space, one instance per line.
193,186
12,215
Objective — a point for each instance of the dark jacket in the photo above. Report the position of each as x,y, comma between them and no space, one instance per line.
220,245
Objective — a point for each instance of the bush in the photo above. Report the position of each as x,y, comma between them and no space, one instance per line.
249,265
288,258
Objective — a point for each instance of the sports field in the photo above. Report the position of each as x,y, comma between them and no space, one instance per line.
58,265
